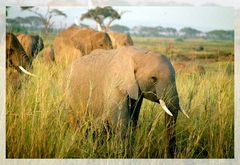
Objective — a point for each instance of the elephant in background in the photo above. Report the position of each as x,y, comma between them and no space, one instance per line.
15,54
17,61
120,39
47,54
32,44
74,42
111,84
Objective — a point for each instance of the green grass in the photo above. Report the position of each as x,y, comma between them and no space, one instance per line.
38,124
212,49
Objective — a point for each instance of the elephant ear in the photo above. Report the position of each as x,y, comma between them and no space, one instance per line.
82,42
128,80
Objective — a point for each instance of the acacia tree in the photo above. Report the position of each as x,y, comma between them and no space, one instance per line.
47,18
99,14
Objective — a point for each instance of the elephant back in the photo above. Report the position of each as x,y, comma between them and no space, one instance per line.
47,55
75,42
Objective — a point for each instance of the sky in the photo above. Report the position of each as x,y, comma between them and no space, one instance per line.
201,18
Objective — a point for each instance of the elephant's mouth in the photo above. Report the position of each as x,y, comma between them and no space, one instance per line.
154,97
151,96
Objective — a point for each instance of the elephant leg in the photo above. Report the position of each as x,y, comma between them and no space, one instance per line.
134,109
170,123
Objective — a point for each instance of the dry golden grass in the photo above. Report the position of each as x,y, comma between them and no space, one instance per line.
38,125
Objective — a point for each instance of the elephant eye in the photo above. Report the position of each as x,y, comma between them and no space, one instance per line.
101,45
153,78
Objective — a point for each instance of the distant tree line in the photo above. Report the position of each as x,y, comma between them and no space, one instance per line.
186,32
221,34
104,16
26,25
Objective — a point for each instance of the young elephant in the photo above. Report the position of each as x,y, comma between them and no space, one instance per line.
111,84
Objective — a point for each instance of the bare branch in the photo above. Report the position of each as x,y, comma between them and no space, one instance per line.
46,19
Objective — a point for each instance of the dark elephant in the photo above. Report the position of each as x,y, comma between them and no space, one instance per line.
32,44
17,61
15,54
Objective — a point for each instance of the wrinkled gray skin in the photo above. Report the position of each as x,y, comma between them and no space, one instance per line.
113,83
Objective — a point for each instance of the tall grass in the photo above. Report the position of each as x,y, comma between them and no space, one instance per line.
38,125
209,100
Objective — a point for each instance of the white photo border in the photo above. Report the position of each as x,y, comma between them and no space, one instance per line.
221,3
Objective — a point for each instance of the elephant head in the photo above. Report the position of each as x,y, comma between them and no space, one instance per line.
156,79
120,39
100,40
155,76
74,42
87,40
15,54
32,44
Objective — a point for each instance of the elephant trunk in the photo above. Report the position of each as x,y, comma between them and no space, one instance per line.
170,150
172,104
170,123
22,64
23,61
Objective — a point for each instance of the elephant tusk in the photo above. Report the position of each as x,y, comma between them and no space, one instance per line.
163,105
26,72
184,112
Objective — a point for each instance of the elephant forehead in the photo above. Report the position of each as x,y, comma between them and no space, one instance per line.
158,65
100,36
24,37
25,40
14,43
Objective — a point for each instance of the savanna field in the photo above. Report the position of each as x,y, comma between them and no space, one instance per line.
37,122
